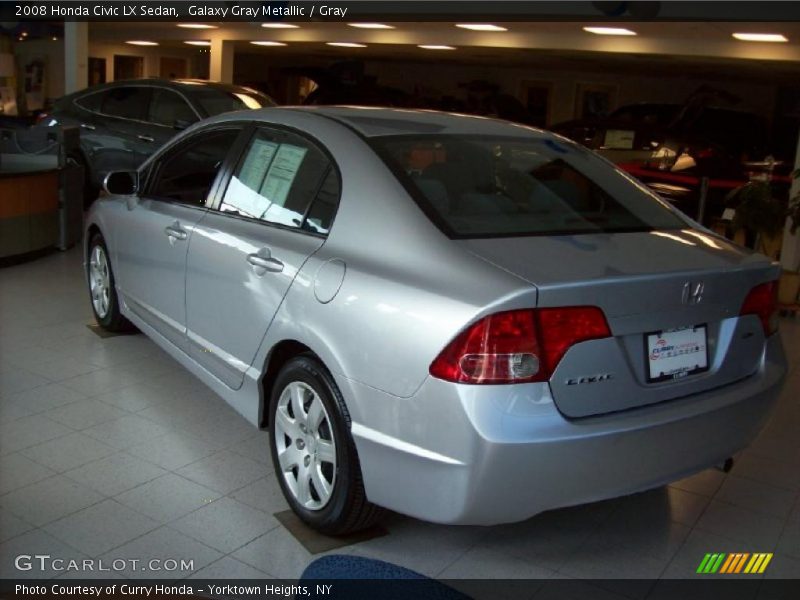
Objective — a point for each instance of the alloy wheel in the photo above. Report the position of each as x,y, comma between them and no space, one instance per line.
99,281
305,445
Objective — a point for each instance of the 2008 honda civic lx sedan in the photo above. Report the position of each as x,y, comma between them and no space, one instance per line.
453,317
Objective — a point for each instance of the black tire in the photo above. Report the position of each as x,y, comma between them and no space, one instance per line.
348,509
113,319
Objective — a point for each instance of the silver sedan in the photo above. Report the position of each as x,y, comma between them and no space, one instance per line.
453,317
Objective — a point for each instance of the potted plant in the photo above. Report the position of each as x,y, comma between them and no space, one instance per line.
789,287
759,212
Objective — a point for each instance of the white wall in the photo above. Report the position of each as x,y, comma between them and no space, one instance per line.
52,53
151,55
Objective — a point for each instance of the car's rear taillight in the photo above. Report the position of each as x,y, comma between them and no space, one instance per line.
517,346
42,118
762,301
562,328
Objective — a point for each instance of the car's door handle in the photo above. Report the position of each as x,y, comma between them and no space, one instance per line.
176,232
145,138
87,126
263,260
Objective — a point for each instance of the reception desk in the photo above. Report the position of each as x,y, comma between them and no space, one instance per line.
41,192
29,212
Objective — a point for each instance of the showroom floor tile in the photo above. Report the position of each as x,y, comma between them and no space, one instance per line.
17,471
168,497
32,543
49,499
225,524
109,448
164,544
115,474
101,527
228,568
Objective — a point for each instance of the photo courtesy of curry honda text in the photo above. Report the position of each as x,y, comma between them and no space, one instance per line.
456,318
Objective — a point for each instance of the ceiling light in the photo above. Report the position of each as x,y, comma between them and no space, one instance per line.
435,47
761,37
346,44
197,26
481,27
280,25
371,25
609,30
197,42
141,43
267,43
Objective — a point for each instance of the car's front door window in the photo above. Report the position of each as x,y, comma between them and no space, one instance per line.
186,174
153,246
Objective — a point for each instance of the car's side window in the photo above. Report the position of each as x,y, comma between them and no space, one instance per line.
277,179
186,174
126,102
170,109
93,101
320,216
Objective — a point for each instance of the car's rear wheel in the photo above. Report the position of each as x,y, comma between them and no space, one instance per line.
102,291
313,452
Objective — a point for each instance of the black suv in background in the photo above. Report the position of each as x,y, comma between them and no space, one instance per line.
124,122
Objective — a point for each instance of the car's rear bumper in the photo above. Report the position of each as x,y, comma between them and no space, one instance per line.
494,454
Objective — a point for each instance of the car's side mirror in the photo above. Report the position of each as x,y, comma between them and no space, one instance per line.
121,183
181,124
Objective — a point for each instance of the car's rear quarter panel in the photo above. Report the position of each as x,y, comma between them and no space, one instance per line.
407,289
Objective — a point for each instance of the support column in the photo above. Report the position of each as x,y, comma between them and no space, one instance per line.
76,56
221,61
790,251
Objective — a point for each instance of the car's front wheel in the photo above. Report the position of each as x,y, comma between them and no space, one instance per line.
313,452
102,290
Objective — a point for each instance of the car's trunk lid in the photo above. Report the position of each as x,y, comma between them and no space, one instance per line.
646,283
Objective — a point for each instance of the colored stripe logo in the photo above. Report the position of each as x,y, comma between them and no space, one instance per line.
735,562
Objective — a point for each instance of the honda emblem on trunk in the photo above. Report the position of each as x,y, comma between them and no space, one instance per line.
692,292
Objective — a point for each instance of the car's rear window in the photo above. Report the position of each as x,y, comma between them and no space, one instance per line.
481,186
215,101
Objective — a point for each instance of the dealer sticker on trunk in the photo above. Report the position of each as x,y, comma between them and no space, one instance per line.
677,353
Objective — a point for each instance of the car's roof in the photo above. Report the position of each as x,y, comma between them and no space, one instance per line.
185,85
370,121
201,83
